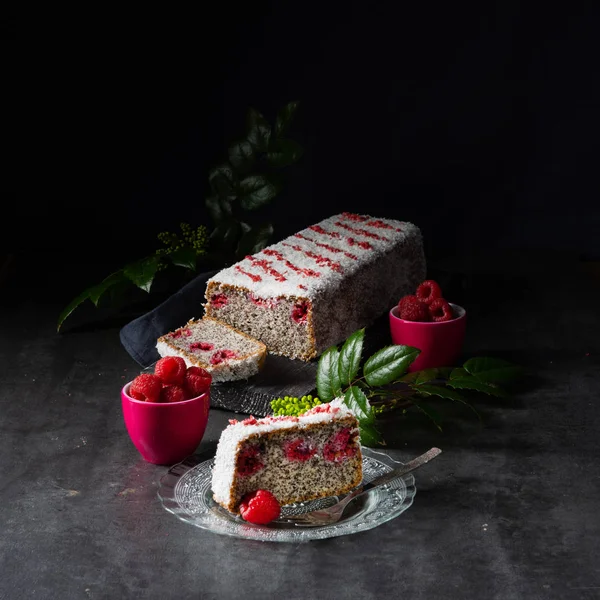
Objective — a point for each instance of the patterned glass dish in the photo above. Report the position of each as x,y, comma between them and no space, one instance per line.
185,491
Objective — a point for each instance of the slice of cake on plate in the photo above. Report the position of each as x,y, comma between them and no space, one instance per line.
297,459
315,288
227,354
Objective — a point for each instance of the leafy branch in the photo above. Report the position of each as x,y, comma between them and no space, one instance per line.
383,383
240,185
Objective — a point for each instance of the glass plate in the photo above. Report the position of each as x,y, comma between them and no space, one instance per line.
186,492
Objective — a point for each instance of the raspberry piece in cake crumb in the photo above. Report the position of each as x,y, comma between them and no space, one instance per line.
428,291
299,450
197,381
340,446
300,312
204,346
146,387
440,310
221,355
410,308
249,461
260,507
171,370
218,300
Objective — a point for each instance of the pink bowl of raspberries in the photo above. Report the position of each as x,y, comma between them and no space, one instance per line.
427,321
166,411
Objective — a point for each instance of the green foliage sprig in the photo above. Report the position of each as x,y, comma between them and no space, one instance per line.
383,383
243,183
293,406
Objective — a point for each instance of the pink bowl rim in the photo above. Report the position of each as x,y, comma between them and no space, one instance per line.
195,399
462,314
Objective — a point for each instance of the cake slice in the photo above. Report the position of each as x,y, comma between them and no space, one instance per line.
297,459
313,289
227,354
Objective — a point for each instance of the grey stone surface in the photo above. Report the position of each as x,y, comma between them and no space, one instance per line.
508,511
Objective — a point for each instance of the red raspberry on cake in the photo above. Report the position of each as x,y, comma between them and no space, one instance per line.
146,387
260,507
440,310
197,381
428,291
299,450
172,393
410,308
171,370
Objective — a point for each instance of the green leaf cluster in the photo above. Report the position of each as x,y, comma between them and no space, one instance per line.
247,181
383,384
243,183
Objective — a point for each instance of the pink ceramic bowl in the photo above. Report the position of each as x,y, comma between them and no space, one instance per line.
440,343
165,433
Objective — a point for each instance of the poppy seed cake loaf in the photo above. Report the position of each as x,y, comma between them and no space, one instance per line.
297,459
225,353
313,289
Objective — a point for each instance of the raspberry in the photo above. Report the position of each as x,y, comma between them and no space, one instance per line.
146,387
249,461
299,450
428,291
259,507
197,381
205,346
220,355
300,312
218,300
172,393
410,308
340,446
171,370
440,310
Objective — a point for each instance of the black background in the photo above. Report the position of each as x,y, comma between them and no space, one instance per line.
479,124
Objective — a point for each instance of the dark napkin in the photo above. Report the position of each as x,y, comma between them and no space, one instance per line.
139,336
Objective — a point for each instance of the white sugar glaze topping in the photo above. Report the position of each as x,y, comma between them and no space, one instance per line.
318,257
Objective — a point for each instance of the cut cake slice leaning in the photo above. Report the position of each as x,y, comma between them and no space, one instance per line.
226,353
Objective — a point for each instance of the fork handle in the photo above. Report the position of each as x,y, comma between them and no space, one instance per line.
403,470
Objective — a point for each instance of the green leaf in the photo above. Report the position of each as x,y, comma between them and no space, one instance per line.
219,208
458,373
142,272
184,257
357,402
96,292
223,181
283,152
284,118
71,307
256,191
470,383
253,240
493,370
328,379
369,436
259,131
241,155
429,412
443,392
425,376
350,356
226,234
389,364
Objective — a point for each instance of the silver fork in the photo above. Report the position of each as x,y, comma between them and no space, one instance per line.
332,514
